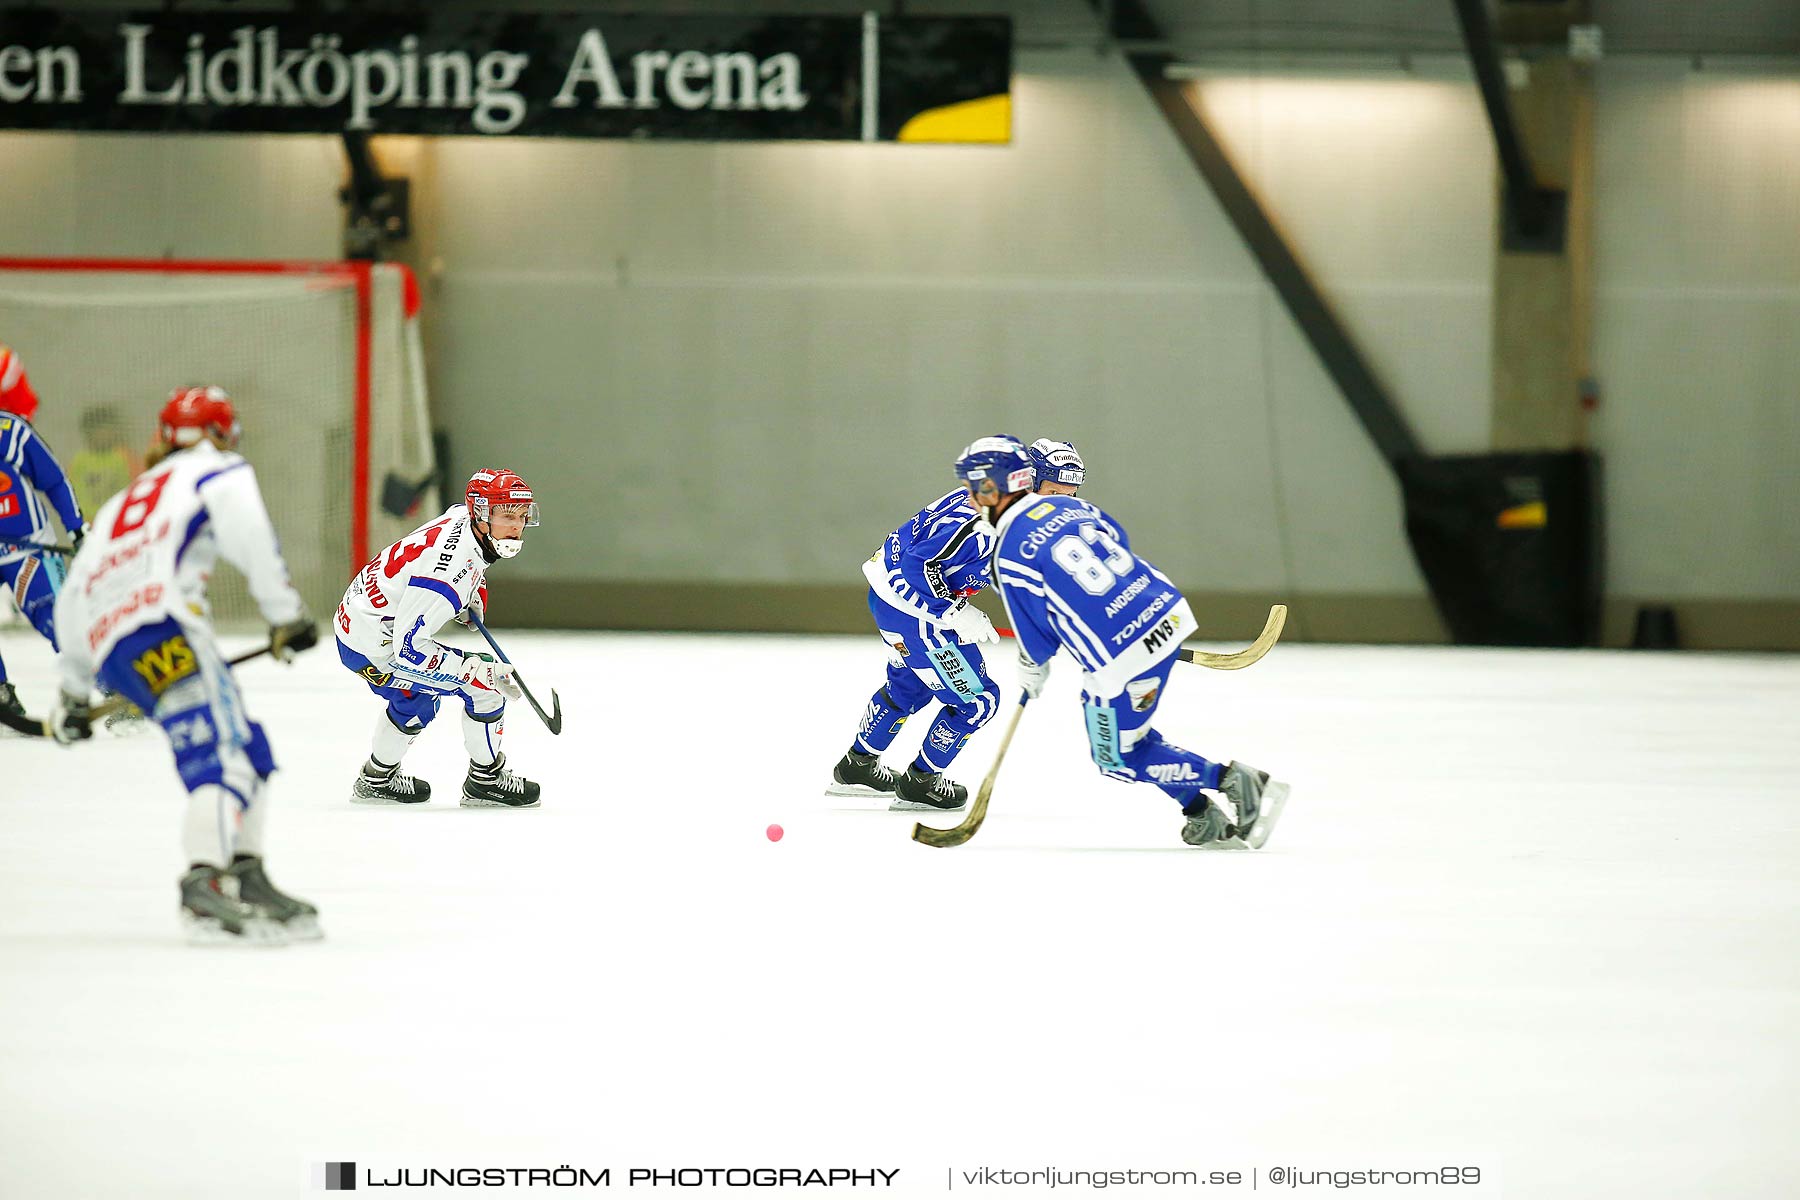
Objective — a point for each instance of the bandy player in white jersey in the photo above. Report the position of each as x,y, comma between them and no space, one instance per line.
133,615
387,633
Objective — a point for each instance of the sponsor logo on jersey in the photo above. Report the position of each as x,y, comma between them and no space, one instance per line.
144,597
1180,772
375,675
943,737
1162,634
1143,619
164,664
1041,510
1143,693
900,647
370,589
406,647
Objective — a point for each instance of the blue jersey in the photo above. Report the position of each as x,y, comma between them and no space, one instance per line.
934,560
27,468
1069,580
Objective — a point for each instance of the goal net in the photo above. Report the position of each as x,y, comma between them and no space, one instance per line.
322,362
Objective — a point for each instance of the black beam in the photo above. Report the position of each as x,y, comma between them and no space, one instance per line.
1529,210
1318,323
377,207
1329,340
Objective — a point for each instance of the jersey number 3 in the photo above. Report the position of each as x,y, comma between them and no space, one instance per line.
402,553
1097,576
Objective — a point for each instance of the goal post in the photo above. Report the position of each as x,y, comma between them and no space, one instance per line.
322,360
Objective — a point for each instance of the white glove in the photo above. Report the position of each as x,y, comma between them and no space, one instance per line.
969,623
1033,676
482,673
70,718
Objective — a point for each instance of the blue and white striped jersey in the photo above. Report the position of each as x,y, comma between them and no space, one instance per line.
934,560
1069,579
27,468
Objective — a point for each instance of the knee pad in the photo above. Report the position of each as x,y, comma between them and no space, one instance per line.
906,692
412,712
487,708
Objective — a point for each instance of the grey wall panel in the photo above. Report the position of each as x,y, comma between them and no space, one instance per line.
191,197
1697,317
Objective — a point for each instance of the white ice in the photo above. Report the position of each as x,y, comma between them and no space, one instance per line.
1534,910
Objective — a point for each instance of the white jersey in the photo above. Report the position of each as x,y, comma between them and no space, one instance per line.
152,549
393,609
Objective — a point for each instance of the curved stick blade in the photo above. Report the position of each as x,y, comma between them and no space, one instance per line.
1265,641
958,834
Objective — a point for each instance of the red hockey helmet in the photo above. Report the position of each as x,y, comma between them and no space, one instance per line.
196,412
16,395
496,487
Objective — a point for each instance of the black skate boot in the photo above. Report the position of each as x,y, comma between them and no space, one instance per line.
382,784
1258,800
927,791
9,704
859,774
493,786
212,911
297,918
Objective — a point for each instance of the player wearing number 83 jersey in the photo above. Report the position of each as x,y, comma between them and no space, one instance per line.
387,629
1070,581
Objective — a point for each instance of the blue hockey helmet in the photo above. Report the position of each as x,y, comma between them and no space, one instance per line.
1001,461
1057,462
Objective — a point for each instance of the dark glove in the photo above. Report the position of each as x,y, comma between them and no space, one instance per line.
77,536
285,641
69,719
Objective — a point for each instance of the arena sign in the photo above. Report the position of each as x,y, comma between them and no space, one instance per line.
591,75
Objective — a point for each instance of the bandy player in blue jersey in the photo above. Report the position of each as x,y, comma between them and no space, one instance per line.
29,475
1070,581
920,582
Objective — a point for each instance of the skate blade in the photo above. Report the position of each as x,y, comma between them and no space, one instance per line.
388,801
478,802
1274,799
303,929
914,806
859,790
208,931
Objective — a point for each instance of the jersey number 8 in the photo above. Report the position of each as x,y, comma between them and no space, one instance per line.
1097,576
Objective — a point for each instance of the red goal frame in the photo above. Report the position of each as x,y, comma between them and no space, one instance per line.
356,272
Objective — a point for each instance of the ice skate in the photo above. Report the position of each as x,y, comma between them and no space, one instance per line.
298,919
9,704
1207,824
927,791
493,786
859,774
1258,800
213,913
380,784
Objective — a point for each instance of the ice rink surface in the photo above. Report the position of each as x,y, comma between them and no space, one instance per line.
1533,910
